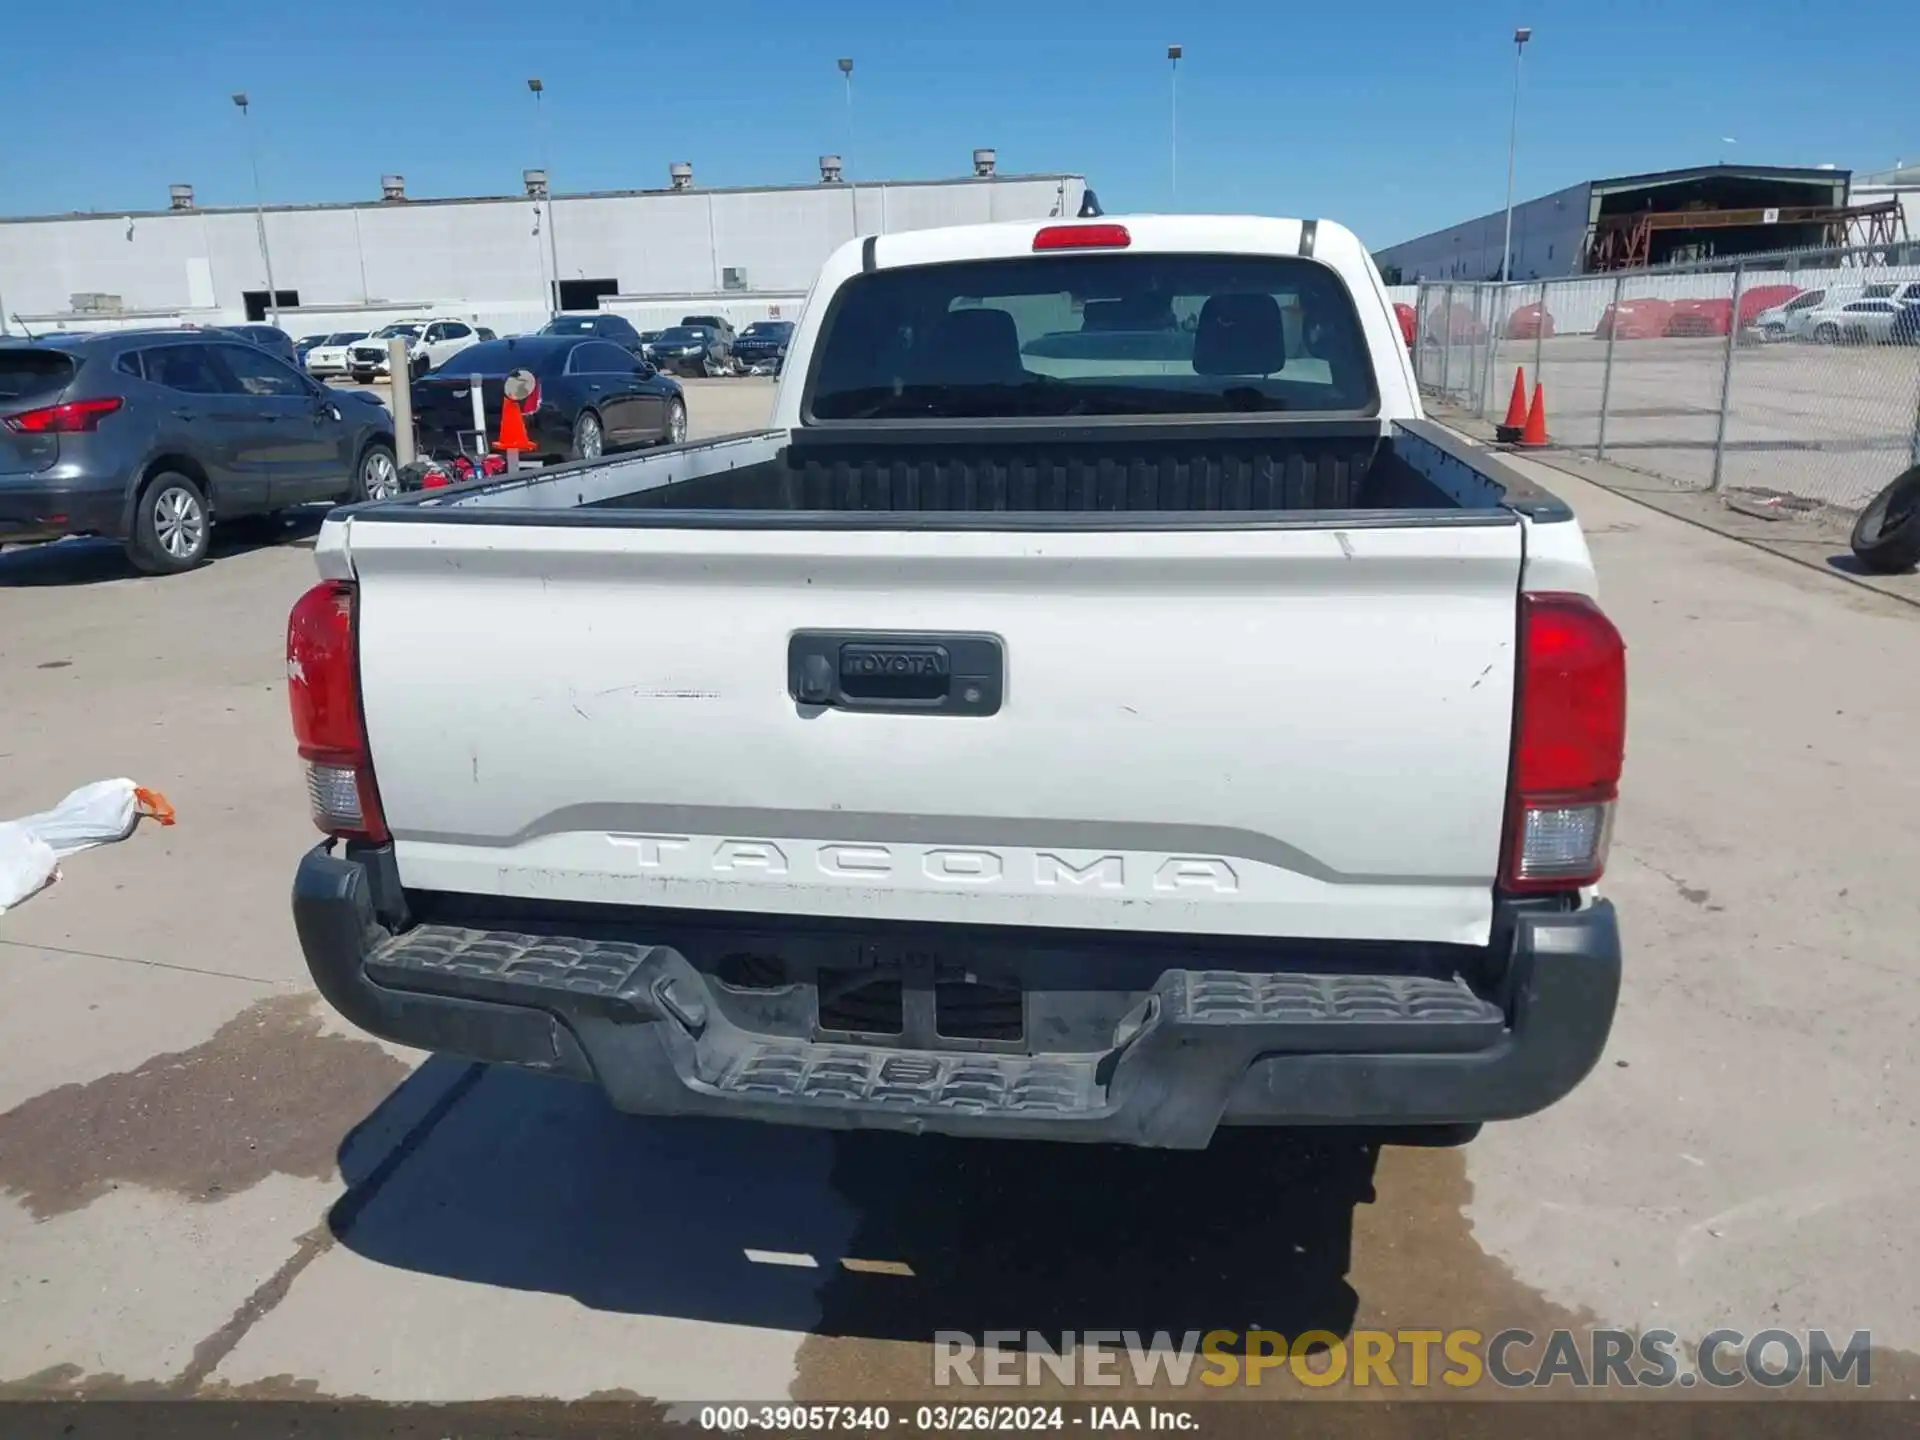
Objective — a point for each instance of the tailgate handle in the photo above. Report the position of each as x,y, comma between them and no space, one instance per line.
912,673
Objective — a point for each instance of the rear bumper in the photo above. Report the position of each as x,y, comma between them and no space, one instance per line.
1200,1049
49,505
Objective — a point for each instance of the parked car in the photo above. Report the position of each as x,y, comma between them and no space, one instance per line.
1905,329
304,345
269,338
1639,319
329,357
808,801
1857,322
1788,320
616,328
151,436
692,350
762,345
712,322
430,344
593,396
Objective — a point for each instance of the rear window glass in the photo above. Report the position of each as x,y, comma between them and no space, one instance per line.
503,357
33,374
1090,335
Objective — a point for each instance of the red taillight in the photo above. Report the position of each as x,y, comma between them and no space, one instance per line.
323,693
72,418
1082,237
1570,736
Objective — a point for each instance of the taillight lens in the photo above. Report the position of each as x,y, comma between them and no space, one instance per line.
323,693
1082,237
73,418
1570,736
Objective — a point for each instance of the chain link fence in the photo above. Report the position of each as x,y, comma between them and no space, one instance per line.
1787,380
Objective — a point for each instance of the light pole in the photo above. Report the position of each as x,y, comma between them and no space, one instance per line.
553,244
259,211
1520,38
853,197
1174,52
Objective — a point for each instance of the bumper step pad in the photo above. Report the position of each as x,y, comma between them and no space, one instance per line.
968,1084
645,1011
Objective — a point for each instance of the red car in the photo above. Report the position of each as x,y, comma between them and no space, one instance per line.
1635,320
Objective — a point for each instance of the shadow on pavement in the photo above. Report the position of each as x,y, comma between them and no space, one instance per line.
88,561
538,1184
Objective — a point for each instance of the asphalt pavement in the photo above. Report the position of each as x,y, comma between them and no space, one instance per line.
209,1185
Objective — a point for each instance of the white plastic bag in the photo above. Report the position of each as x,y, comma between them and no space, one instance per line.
98,814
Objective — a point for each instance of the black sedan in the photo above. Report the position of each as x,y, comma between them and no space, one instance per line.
594,396
692,350
616,328
763,343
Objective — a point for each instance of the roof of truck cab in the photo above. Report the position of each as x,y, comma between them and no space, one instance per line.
1201,234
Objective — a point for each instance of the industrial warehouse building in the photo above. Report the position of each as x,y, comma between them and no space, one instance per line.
748,253
1708,213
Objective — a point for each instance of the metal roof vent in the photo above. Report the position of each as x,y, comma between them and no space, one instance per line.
180,197
536,183
681,174
829,169
983,163
393,187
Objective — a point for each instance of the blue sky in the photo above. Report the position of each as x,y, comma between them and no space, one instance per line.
1390,116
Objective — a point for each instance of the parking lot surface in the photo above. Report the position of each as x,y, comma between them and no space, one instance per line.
209,1185
1831,423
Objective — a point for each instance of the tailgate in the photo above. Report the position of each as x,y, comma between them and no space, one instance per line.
1269,732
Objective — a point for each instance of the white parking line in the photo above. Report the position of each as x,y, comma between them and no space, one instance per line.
782,1257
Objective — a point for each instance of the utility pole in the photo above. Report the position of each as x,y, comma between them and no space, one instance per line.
553,244
853,188
259,211
1520,38
1174,52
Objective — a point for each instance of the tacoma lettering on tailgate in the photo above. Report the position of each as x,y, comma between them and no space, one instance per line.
908,865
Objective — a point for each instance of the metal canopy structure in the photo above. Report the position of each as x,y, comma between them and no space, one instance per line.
1625,242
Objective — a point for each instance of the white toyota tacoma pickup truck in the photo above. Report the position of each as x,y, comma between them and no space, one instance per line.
1100,708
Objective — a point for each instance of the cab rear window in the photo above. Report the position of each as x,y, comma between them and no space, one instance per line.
1093,335
33,374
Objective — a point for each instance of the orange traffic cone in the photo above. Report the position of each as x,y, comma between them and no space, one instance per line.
513,427
1536,430
1507,432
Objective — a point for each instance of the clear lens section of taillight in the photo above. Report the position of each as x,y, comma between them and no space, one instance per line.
1563,842
333,794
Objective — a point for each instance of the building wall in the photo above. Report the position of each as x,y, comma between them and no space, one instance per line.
1548,237
485,259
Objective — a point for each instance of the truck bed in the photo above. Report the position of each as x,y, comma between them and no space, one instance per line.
1280,469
